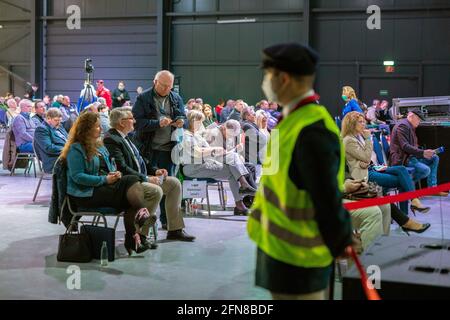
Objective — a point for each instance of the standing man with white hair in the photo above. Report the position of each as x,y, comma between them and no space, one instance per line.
158,112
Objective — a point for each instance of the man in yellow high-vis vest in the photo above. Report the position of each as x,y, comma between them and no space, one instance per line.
297,219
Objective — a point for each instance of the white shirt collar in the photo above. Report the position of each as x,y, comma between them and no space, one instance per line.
121,133
291,105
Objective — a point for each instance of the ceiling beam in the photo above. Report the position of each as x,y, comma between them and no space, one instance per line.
15,6
14,40
12,74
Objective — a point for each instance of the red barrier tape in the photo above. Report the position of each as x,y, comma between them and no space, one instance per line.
396,198
371,293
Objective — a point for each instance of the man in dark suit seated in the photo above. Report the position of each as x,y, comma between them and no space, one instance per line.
155,182
50,138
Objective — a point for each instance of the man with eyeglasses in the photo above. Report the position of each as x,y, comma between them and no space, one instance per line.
159,111
155,181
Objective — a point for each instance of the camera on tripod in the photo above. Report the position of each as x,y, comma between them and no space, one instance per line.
88,67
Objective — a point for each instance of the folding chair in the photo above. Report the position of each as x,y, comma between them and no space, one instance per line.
44,175
98,214
29,157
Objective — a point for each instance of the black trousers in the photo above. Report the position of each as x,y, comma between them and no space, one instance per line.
398,215
110,196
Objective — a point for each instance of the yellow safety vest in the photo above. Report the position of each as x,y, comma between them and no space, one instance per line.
282,220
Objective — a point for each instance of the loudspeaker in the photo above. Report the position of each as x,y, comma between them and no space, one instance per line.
409,268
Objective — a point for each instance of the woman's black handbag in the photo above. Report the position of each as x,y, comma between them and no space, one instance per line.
74,247
97,235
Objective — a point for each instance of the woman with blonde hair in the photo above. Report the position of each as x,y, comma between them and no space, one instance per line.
351,101
359,153
94,182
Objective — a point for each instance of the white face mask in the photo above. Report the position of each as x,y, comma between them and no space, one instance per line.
268,90
121,88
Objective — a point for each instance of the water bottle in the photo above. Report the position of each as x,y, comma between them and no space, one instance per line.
104,255
113,163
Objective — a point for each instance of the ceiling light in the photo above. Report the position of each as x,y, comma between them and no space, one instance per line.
236,21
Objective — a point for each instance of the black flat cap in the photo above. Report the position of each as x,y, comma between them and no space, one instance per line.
418,113
291,57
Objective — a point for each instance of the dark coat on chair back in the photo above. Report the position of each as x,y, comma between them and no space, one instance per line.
58,211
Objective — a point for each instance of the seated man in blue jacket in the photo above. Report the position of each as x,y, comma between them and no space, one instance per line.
50,138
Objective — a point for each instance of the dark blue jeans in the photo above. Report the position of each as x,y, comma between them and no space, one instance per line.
394,177
425,168
26,148
163,160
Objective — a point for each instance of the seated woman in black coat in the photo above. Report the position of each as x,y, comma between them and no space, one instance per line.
93,180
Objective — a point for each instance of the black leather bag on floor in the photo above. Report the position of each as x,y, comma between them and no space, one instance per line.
97,235
74,247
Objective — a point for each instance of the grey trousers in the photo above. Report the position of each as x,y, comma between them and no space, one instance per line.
371,222
153,194
231,172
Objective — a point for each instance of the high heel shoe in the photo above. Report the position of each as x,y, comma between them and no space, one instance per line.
142,216
425,226
133,243
420,209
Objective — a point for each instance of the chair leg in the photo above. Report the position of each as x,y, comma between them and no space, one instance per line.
155,233
222,191
38,186
13,166
34,168
117,221
220,194
207,201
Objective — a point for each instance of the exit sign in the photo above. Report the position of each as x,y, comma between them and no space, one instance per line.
384,93
389,69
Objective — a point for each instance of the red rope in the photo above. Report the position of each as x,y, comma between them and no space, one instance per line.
396,198
371,293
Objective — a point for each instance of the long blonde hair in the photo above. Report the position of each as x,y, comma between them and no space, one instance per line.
349,92
80,133
349,123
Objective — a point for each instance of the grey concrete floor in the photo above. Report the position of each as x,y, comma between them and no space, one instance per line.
218,265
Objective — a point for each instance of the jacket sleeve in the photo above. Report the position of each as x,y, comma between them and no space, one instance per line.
116,152
405,145
179,112
126,96
142,123
314,168
20,130
115,94
43,140
356,151
77,170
